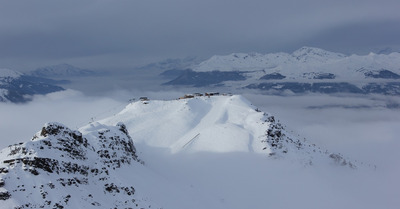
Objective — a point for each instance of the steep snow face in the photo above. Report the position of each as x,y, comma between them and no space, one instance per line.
218,124
62,168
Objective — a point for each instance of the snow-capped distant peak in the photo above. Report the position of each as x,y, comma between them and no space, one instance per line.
7,73
256,61
306,52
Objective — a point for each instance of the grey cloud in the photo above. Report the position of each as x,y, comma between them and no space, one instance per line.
359,37
48,31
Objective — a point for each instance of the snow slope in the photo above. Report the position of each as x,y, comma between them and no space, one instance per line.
216,124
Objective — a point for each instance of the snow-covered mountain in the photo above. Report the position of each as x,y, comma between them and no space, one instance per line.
62,168
254,61
99,166
15,86
304,63
61,71
305,70
220,124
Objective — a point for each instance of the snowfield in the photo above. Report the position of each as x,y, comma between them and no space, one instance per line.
216,124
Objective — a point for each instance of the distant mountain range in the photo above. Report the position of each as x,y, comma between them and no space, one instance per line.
307,70
17,87
61,71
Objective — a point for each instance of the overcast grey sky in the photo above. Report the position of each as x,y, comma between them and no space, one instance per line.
125,33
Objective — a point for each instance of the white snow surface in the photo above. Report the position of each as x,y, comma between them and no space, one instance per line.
7,73
302,62
216,124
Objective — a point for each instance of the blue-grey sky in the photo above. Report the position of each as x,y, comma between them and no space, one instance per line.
126,33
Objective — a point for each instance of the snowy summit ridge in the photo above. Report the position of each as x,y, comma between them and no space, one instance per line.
220,123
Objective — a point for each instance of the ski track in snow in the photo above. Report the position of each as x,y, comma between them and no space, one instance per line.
194,124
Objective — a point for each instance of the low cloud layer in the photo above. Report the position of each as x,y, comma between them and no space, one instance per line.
20,122
361,128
